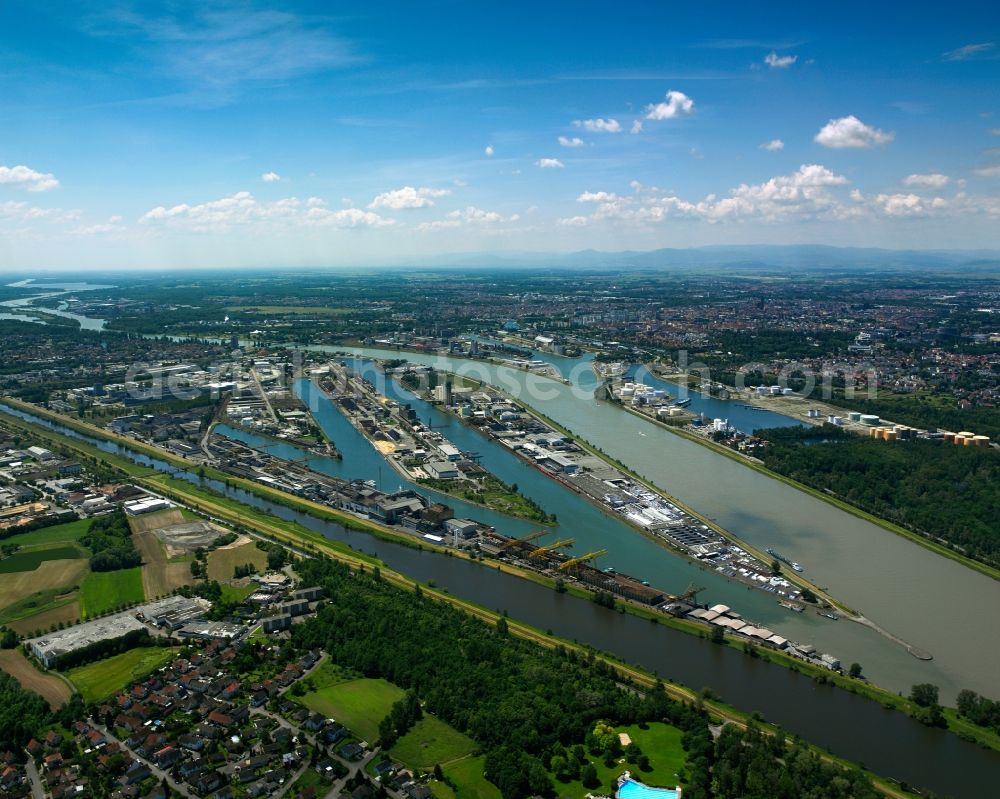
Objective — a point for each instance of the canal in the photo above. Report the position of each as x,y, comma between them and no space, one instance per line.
888,742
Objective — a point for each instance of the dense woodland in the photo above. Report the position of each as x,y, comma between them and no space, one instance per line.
525,705
110,540
943,491
22,714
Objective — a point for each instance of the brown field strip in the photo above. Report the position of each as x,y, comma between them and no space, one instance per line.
153,521
159,576
52,689
49,574
68,614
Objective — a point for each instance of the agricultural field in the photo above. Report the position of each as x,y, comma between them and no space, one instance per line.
65,610
661,743
30,559
153,521
223,561
50,687
20,596
58,534
101,679
160,574
431,742
359,704
104,591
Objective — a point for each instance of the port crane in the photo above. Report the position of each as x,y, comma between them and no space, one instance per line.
572,563
691,592
526,540
546,548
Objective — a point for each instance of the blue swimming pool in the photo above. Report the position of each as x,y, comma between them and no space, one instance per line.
630,789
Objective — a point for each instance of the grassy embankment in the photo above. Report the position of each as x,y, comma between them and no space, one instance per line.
302,538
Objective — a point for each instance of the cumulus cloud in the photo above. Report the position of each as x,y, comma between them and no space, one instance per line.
270,177
599,125
27,178
900,205
676,104
636,126
773,146
407,198
489,150
549,163
597,197
934,180
575,141
243,209
574,221
775,61
988,171
968,51
850,131
470,216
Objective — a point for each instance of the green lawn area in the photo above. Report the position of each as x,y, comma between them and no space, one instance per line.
310,779
31,559
431,741
236,593
103,591
39,602
467,774
60,533
661,743
99,680
357,704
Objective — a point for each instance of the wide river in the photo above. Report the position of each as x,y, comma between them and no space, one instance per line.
929,601
890,743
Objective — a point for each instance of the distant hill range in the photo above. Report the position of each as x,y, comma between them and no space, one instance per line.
749,257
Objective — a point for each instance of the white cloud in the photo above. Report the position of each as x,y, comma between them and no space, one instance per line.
599,125
775,61
597,197
968,51
27,178
549,163
636,126
345,218
677,104
994,131
407,198
470,216
570,142
17,211
907,204
574,221
270,177
935,180
850,131
773,146
489,150
988,171
243,209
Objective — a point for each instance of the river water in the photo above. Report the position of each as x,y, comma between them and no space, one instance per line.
890,743
927,600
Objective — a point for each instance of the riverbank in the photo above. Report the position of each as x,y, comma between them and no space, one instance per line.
239,511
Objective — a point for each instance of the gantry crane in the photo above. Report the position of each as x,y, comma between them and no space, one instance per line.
546,548
572,563
526,540
692,591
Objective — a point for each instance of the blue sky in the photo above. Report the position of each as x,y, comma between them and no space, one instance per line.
226,134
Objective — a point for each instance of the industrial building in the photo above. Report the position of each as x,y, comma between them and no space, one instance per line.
211,629
174,611
51,647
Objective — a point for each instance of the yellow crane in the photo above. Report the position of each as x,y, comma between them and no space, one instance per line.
527,539
565,542
574,562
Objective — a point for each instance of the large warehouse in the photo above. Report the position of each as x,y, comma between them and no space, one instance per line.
51,647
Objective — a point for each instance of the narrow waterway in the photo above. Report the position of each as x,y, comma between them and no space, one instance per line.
890,743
